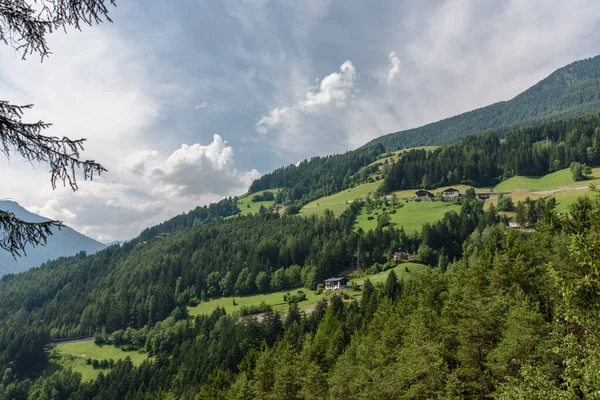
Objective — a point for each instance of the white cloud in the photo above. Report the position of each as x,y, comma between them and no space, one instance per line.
146,188
394,67
274,117
332,93
201,170
334,89
216,107
53,210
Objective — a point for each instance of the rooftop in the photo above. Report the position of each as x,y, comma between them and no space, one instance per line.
335,279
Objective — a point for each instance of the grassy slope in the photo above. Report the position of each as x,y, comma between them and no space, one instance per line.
412,216
73,355
274,299
400,270
246,200
338,202
554,180
564,198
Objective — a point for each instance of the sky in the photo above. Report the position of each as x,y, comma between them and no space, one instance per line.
187,102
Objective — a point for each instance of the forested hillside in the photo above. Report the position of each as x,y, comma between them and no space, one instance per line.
200,214
570,91
516,316
317,177
484,159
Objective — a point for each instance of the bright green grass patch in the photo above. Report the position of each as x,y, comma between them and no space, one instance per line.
413,268
247,206
412,216
556,179
564,198
73,355
275,300
339,202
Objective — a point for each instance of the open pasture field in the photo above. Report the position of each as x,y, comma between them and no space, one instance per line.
274,299
338,202
556,179
74,355
412,216
247,206
414,269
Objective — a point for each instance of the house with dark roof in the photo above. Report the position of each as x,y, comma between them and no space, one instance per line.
335,283
450,193
423,194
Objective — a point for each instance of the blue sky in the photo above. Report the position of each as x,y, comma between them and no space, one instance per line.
186,102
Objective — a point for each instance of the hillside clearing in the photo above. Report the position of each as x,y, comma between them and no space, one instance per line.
564,198
338,202
554,180
411,216
74,355
274,299
414,269
247,206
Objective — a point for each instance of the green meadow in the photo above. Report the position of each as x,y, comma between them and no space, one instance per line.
564,198
74,355
247,206
339,202
556,179
411,216
274,299
401,272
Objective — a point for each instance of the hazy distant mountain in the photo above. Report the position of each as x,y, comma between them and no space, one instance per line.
569,91
63,242
119,242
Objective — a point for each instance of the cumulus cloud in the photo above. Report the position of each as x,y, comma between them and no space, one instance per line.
201,170
333,91
146,188
394,67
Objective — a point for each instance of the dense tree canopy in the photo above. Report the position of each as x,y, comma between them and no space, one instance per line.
484,159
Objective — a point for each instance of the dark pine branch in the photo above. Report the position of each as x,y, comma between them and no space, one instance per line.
15,233
26,139
25,27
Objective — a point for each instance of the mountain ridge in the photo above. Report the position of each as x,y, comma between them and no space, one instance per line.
569,91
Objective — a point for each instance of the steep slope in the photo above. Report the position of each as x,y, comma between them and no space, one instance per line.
63,242
570,91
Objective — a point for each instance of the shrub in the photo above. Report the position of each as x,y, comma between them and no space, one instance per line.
249,310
